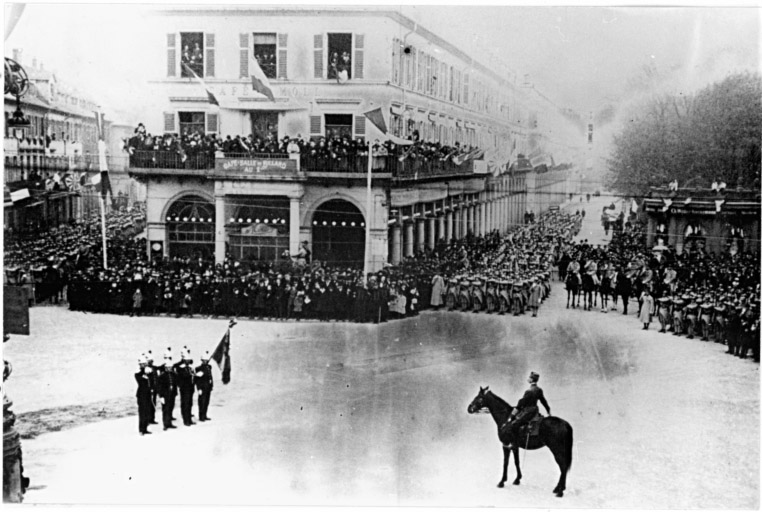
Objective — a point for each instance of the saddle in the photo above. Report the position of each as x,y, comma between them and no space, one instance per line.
533,427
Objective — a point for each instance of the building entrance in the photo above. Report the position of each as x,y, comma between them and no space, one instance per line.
338,234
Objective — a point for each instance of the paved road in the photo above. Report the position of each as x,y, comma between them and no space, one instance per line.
344,414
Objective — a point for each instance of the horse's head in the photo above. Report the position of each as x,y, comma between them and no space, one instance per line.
478,404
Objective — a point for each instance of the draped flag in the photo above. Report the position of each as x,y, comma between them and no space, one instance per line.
201,82
259,81
221,354
376,116
102,181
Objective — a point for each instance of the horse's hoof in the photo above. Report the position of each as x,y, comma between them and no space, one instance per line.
516,482
559,494
501,485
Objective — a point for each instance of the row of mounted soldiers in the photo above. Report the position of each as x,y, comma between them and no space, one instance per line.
501,296
733,323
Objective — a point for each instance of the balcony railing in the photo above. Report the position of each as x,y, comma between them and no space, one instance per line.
409,169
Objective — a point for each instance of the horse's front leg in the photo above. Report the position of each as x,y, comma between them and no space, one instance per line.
506,458
518,468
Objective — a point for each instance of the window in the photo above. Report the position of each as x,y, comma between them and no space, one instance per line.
192,122
396,53
265,51
192,54
338,126
340,56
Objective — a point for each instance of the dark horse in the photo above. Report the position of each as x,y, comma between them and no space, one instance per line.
572,283
555,433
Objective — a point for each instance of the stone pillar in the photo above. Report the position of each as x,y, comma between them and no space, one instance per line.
420,230
650,238
219,229
396,243
442,230
408,239
449,230
431,232
293,225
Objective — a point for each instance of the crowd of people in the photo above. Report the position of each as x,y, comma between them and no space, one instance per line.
333,153
694,293
492,273
42,262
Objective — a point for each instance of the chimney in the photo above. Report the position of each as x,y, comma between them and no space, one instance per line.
34,62
17,55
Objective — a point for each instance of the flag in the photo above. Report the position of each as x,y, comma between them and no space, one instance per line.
376,117
259,81
201,82
100,122
221,354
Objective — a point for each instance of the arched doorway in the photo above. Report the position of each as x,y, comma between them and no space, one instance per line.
190,228
338,234
694,238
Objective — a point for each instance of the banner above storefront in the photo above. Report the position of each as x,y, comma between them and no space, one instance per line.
257,166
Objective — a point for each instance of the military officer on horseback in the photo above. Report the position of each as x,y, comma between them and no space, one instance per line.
527,407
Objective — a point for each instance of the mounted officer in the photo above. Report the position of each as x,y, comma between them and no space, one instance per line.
527,408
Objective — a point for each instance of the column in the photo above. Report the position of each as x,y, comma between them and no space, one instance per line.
293,225
431,233
449,230
396,243
441,232
420,229
471,220
482,218
219,229
408,239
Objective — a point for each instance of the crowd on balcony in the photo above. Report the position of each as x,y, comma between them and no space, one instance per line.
336,153
693,293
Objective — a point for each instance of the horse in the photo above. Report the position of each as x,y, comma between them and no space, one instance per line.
572,283
589,291
554,433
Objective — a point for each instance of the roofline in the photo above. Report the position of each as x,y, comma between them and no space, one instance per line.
394,15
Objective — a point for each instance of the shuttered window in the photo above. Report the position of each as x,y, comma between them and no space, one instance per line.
212,121
171,54
282,56
209,71
316,126
359,56
359,126
465,88
169,122
318,51
243,43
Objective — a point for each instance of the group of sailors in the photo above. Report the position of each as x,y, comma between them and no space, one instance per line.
160,384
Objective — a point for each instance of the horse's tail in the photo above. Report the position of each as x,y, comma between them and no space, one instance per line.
568,448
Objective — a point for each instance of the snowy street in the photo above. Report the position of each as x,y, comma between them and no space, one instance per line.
347,414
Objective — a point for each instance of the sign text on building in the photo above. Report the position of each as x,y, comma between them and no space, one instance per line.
257,165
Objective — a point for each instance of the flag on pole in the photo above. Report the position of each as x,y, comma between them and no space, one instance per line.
221,354
376,116
259,81
201,82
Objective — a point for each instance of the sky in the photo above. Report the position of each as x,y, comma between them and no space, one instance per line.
580,57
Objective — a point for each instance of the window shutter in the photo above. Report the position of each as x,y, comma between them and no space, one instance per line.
244,60
211,123
171,55
359,56
318,45
359,126
169,122
315,125
209,64
465,88
283,56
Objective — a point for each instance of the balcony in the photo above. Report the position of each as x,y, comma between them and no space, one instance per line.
350,166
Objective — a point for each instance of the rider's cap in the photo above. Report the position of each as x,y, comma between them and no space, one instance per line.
534,377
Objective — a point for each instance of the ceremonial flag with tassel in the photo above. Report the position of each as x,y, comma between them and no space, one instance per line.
221,354
259,81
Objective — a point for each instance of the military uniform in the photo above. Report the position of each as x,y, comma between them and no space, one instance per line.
678,315
185,375
143,394
691,318
167,391
664,316
204,385
526,409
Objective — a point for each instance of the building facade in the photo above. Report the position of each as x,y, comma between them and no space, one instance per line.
326,68
689,219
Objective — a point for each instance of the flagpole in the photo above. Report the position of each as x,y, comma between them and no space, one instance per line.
103,230
368,215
